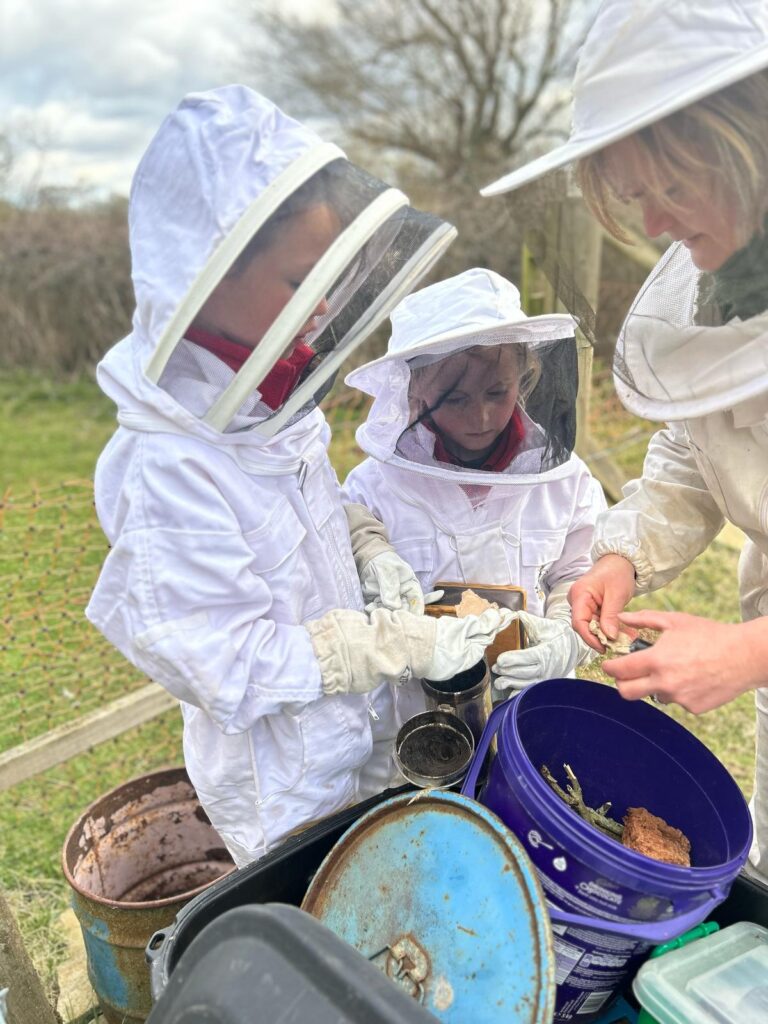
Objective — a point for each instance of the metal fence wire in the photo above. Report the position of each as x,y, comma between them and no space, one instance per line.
54,665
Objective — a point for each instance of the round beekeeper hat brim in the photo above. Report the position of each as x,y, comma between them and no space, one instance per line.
476,306
643,61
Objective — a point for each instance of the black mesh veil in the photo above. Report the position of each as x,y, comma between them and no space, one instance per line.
532,383
308,298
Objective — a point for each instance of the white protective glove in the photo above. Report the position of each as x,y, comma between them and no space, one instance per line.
554,650
356,655
387,581
461,643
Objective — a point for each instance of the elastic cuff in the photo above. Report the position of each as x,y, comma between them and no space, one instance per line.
643,569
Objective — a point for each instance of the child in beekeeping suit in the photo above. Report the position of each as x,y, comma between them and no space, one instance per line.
236,577
470,462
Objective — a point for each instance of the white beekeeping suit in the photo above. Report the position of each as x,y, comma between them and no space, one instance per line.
529,523
680,360
261,257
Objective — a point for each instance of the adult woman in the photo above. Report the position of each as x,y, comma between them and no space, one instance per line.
669,112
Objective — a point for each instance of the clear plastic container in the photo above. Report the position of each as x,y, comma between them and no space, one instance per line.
719,979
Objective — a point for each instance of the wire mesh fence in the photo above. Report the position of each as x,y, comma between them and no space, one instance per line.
54,665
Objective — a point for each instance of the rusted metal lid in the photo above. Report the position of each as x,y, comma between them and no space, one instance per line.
439,893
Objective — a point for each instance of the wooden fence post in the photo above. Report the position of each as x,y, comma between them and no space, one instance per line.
27,1003
581,243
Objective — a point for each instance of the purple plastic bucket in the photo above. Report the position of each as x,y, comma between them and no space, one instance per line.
608,904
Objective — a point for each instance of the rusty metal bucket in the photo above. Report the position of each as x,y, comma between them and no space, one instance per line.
133,859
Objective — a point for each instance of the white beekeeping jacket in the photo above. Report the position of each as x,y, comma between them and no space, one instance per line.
530,524
227,532
680,359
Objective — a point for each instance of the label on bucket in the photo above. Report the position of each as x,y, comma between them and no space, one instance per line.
590,967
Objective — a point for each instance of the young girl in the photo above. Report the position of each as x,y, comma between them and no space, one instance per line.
685,141
470,465
261,257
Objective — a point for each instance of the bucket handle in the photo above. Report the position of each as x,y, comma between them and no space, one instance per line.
490,730
647,931
154,947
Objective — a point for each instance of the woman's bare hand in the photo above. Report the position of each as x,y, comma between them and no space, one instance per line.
602,594
696,663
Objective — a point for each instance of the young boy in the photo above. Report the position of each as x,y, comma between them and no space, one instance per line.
261,257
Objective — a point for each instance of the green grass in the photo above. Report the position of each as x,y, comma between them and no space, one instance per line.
52,430
52,433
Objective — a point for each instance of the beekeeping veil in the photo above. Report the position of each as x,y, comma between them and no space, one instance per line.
460,343
682,351
226,176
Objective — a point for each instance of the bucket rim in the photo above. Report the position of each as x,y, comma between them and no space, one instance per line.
424,720
629,866
175,774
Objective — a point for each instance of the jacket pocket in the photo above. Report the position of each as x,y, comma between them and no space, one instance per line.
310,764
276,539
278,558
708,473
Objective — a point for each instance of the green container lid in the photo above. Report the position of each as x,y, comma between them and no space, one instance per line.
721,978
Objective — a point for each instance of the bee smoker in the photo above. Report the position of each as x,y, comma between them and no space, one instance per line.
434,749
467,695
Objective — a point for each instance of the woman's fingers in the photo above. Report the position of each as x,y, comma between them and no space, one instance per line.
648,618
631,666
602,593
634,674
584,607
637,688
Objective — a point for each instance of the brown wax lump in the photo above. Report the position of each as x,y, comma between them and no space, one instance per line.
653,837
620,645
472,604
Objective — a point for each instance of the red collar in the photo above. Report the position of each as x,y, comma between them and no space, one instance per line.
281,379
504,450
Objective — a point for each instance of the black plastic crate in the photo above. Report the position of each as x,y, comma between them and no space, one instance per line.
283,876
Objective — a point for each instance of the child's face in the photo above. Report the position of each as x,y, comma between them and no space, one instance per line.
244,306
476,400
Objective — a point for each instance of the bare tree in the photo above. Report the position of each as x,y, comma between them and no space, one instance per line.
458,84
444,94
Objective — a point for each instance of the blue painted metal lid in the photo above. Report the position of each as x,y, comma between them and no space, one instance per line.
439,893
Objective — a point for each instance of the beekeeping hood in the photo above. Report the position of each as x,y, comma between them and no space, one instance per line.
435,333
681,352
219,181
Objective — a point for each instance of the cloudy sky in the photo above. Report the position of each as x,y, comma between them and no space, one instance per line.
85,83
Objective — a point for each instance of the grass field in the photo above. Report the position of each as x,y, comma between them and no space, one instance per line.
52,433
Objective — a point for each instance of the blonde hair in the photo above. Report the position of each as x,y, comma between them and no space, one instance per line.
717,148
427,379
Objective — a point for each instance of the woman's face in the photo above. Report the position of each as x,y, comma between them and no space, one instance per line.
244,306
472,398
706,227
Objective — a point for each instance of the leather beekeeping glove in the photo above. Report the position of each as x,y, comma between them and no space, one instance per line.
461,643
357,655
388,581
554,650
